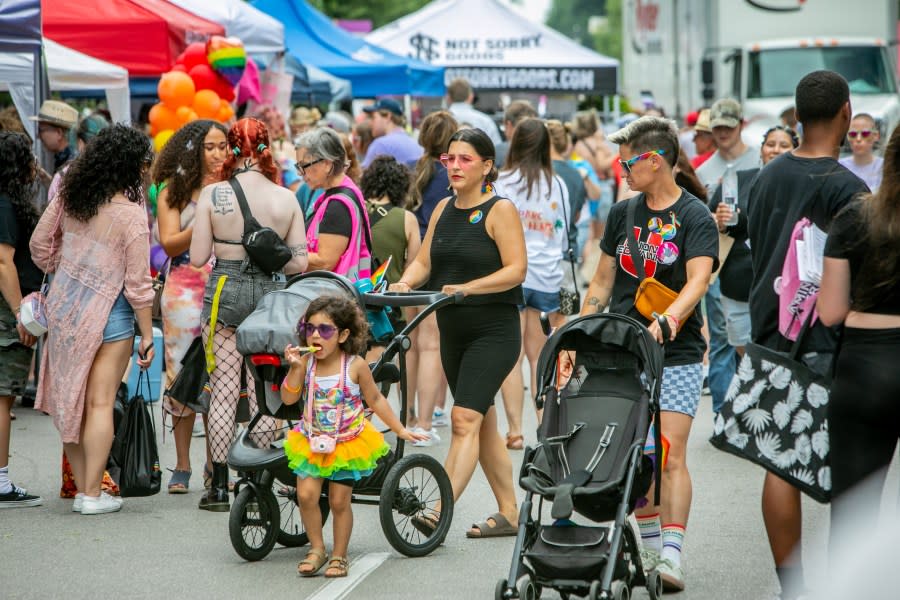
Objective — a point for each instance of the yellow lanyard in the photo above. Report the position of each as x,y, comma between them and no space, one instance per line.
213,320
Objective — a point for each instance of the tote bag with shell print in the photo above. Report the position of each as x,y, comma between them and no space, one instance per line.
774,415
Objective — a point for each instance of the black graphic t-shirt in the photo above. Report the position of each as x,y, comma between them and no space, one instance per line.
788,189
667,240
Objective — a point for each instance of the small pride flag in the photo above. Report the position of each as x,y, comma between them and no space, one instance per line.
378,276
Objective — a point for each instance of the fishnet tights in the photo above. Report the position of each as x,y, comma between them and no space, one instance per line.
225,382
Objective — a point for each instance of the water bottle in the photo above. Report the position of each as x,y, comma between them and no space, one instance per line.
730,193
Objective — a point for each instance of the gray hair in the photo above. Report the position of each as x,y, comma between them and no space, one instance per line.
648,134
324,143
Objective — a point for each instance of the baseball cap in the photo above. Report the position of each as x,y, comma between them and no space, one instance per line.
702,123
57,113
726,113
387,104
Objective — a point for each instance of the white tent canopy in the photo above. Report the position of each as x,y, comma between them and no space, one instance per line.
67,70
260,33
497,49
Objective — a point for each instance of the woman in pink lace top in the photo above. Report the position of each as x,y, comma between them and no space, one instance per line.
94,238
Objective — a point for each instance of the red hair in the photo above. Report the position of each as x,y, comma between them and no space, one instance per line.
249,138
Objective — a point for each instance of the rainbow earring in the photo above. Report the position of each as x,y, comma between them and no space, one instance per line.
487,188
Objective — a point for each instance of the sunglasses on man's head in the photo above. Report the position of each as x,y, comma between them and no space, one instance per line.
862,133
627,164
464,160
306,330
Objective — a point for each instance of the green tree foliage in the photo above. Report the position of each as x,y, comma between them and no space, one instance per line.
380,12
570,17
608,39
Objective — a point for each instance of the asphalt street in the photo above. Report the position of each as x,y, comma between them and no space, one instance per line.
164,547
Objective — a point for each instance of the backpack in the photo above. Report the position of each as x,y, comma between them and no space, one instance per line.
263,245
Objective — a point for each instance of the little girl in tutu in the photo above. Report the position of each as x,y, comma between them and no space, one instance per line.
333,440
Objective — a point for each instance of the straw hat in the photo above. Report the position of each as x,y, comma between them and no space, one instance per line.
57,113
703,121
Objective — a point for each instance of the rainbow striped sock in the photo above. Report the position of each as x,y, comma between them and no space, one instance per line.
651,532
672,539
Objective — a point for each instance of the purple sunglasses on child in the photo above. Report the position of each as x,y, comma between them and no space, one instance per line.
306,330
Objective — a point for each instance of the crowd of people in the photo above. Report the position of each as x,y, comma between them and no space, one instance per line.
459,208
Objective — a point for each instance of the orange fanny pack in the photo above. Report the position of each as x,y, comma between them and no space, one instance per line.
653,298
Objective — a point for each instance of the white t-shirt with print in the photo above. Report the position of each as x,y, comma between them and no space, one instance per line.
711,171
544,225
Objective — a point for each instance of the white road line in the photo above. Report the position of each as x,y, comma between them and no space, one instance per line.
359,570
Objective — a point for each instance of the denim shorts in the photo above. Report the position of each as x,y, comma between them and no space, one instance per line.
737,321
547,302
245,285
120,324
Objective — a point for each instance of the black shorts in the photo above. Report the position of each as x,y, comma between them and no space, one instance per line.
479,347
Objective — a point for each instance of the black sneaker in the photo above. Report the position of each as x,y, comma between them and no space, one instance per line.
19,498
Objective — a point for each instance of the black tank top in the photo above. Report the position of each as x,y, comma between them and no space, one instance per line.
462,250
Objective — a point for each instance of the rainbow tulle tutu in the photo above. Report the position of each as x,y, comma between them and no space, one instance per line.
353,459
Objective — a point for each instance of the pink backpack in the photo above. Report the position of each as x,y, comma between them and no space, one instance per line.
356,261
796,298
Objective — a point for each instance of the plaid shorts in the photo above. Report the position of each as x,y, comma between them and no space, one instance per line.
681,387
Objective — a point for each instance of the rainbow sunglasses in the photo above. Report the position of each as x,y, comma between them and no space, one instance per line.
627,164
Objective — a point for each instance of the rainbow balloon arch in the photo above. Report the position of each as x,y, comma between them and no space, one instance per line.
199,86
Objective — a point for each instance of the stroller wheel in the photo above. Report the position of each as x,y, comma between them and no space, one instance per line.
291,532
501,591
654,585
528,591
253,523
408,507
619,589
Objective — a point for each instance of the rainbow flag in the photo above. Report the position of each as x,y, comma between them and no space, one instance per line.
378,276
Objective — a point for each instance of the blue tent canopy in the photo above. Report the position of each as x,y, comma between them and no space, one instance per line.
373,71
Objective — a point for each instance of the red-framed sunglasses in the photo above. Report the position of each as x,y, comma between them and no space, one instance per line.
862,133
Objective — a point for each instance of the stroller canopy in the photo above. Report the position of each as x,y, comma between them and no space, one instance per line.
608,332
273,325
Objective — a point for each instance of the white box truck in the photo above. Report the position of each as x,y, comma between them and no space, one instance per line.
688,53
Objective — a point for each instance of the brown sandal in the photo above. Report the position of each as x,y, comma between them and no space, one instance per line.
319,560
337,567
515,442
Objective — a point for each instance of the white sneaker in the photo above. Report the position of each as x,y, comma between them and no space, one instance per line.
439,418
79,500
104,503
672,575
433,438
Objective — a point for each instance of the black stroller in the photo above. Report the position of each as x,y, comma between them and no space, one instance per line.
589,460
265,508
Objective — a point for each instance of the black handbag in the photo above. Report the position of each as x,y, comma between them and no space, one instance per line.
569,300
774,415
188,387
137,454
263,245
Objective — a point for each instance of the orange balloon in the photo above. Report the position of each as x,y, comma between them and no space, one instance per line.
207,104
185,114
225,113
176,89
162,117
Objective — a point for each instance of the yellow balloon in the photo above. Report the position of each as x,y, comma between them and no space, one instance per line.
161,138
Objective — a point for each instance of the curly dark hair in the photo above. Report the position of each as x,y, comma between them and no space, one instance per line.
181,161
17,175
110,164
346,315
386,177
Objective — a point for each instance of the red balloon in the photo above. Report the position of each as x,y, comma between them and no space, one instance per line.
204,77
194,54
224,89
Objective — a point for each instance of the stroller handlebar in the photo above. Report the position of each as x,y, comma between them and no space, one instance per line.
413,298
